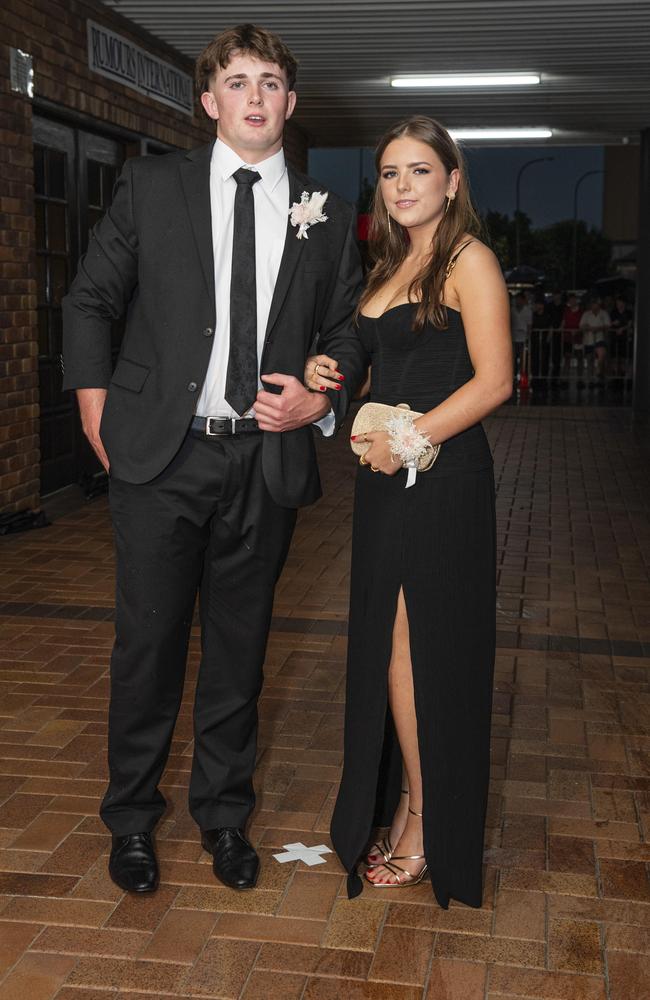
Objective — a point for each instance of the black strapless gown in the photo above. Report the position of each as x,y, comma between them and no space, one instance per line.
437,541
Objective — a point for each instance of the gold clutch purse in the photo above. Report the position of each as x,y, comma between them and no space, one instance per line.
376,417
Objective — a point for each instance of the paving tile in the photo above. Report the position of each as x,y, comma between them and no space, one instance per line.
625,937
77,854
143,912
46,832
539,985
561,882
180,937
15,938
310,895
451,979
314,960
118,973
402,956
274,986
34,884
216,899
84,993
222,969
520,915
20,810
432,917
103,942
354,924
352,989
37,977
71,912
574,946
603,910
625,879
629,975
251,926
490,949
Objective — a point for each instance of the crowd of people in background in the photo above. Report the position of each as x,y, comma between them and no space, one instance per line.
559,337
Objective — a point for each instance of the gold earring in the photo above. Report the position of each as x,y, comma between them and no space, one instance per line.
449,198
388,217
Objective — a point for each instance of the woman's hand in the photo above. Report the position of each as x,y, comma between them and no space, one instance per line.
322,373
379,456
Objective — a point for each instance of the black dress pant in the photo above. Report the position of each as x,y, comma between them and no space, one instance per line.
206,523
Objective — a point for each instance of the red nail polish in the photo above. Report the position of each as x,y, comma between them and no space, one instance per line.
322,388
338,388
353,437
342,377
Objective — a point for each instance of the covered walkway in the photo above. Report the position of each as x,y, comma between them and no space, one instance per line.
567,898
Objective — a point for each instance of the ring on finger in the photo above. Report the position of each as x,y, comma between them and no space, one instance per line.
362,460
374,468
316,367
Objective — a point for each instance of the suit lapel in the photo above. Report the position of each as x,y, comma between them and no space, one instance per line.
195,175
292,250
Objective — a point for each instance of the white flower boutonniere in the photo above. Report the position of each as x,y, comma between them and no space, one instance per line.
308,212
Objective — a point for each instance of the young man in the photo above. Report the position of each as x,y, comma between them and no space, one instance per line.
208,464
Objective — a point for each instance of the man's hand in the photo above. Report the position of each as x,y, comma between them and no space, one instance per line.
91,406
294,407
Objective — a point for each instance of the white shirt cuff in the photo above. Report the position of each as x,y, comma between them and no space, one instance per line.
326,424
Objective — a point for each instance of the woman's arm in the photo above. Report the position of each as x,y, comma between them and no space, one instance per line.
480,291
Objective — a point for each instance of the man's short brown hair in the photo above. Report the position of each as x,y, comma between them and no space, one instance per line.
249,39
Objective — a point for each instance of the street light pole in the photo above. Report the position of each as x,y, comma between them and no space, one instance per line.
528,163
574,247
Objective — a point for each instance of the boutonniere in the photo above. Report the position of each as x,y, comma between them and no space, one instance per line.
308,211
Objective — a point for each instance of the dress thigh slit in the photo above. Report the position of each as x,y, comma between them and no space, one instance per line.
436,541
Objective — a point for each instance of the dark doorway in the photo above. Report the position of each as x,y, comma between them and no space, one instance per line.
74,174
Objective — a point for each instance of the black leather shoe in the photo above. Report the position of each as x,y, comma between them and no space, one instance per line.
234,860
132,864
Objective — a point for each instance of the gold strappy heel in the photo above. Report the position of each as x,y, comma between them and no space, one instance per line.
398,871
384,846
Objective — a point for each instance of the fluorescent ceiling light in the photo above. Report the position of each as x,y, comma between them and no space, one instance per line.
450,81
500,133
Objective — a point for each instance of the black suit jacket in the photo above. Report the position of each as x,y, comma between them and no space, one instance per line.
151,258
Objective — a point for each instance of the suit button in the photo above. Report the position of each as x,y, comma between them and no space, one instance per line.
192,386
208,331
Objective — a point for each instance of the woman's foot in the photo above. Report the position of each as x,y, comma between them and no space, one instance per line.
409,849
385,848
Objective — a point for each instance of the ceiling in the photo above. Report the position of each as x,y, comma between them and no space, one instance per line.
594,57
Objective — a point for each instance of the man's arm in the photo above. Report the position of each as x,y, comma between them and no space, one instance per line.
100,292
295,406
98,295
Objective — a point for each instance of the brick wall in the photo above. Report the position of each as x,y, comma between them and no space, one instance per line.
54,33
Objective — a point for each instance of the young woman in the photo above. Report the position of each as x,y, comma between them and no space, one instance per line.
434,319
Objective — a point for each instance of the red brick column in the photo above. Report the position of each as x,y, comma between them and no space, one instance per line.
19,451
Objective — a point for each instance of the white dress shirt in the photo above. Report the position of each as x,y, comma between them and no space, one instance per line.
271,201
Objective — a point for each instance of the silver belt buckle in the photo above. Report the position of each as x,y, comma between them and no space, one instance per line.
208,432
233,421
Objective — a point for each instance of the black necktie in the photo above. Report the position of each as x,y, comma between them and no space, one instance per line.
241,378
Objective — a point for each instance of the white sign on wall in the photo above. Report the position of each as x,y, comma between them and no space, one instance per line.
119,59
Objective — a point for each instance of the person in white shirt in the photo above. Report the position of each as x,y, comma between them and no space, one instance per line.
595,324
521,320
207,430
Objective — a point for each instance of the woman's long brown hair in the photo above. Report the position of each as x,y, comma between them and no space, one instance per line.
389,247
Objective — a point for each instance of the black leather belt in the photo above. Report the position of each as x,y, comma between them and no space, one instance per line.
220,426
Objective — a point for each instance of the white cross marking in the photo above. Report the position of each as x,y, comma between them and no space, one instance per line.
308,855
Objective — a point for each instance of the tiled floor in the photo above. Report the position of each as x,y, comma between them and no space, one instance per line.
567,900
